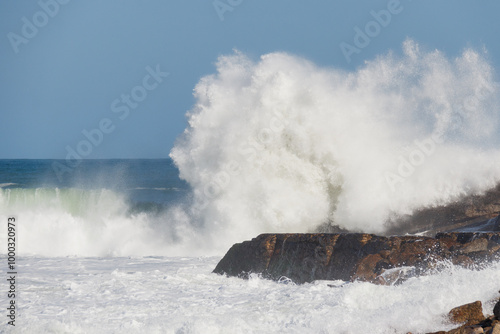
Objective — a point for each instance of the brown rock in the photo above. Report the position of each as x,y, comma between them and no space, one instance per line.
477,330
252,256
353,256
463,260
466,330
478,245
494,330
467,314
494,248
367,267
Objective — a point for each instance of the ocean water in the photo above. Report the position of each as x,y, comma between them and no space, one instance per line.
273,145
99,208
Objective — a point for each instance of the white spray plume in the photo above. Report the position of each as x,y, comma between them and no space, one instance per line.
282,145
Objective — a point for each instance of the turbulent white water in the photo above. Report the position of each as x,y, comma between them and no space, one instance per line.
274,145
61,222
179,295
283,145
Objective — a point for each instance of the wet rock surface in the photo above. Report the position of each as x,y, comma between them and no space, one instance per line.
467,314
304,258
470,213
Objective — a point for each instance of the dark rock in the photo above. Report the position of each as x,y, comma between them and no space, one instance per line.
470,213
249,256
496,310
354,256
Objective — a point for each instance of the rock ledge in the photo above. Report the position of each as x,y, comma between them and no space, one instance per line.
355,256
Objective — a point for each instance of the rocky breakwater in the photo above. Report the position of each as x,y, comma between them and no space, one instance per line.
355,256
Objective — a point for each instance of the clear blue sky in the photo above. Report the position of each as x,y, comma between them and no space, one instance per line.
63,65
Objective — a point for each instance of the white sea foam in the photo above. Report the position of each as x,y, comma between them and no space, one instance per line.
180,295
8,184
282,145
60,222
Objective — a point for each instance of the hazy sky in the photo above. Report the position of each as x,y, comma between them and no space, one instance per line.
128,68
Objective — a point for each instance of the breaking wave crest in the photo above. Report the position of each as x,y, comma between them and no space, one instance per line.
68,222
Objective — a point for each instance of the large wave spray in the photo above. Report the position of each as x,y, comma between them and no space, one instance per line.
68,222
281,145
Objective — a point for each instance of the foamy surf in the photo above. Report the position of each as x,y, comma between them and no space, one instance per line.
180,295
69,222
8,184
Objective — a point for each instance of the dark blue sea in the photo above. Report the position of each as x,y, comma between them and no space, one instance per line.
96,208
144,182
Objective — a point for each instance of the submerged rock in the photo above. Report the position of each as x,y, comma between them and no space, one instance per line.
354,256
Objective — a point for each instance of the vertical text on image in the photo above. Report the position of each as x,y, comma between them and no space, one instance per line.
11,270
